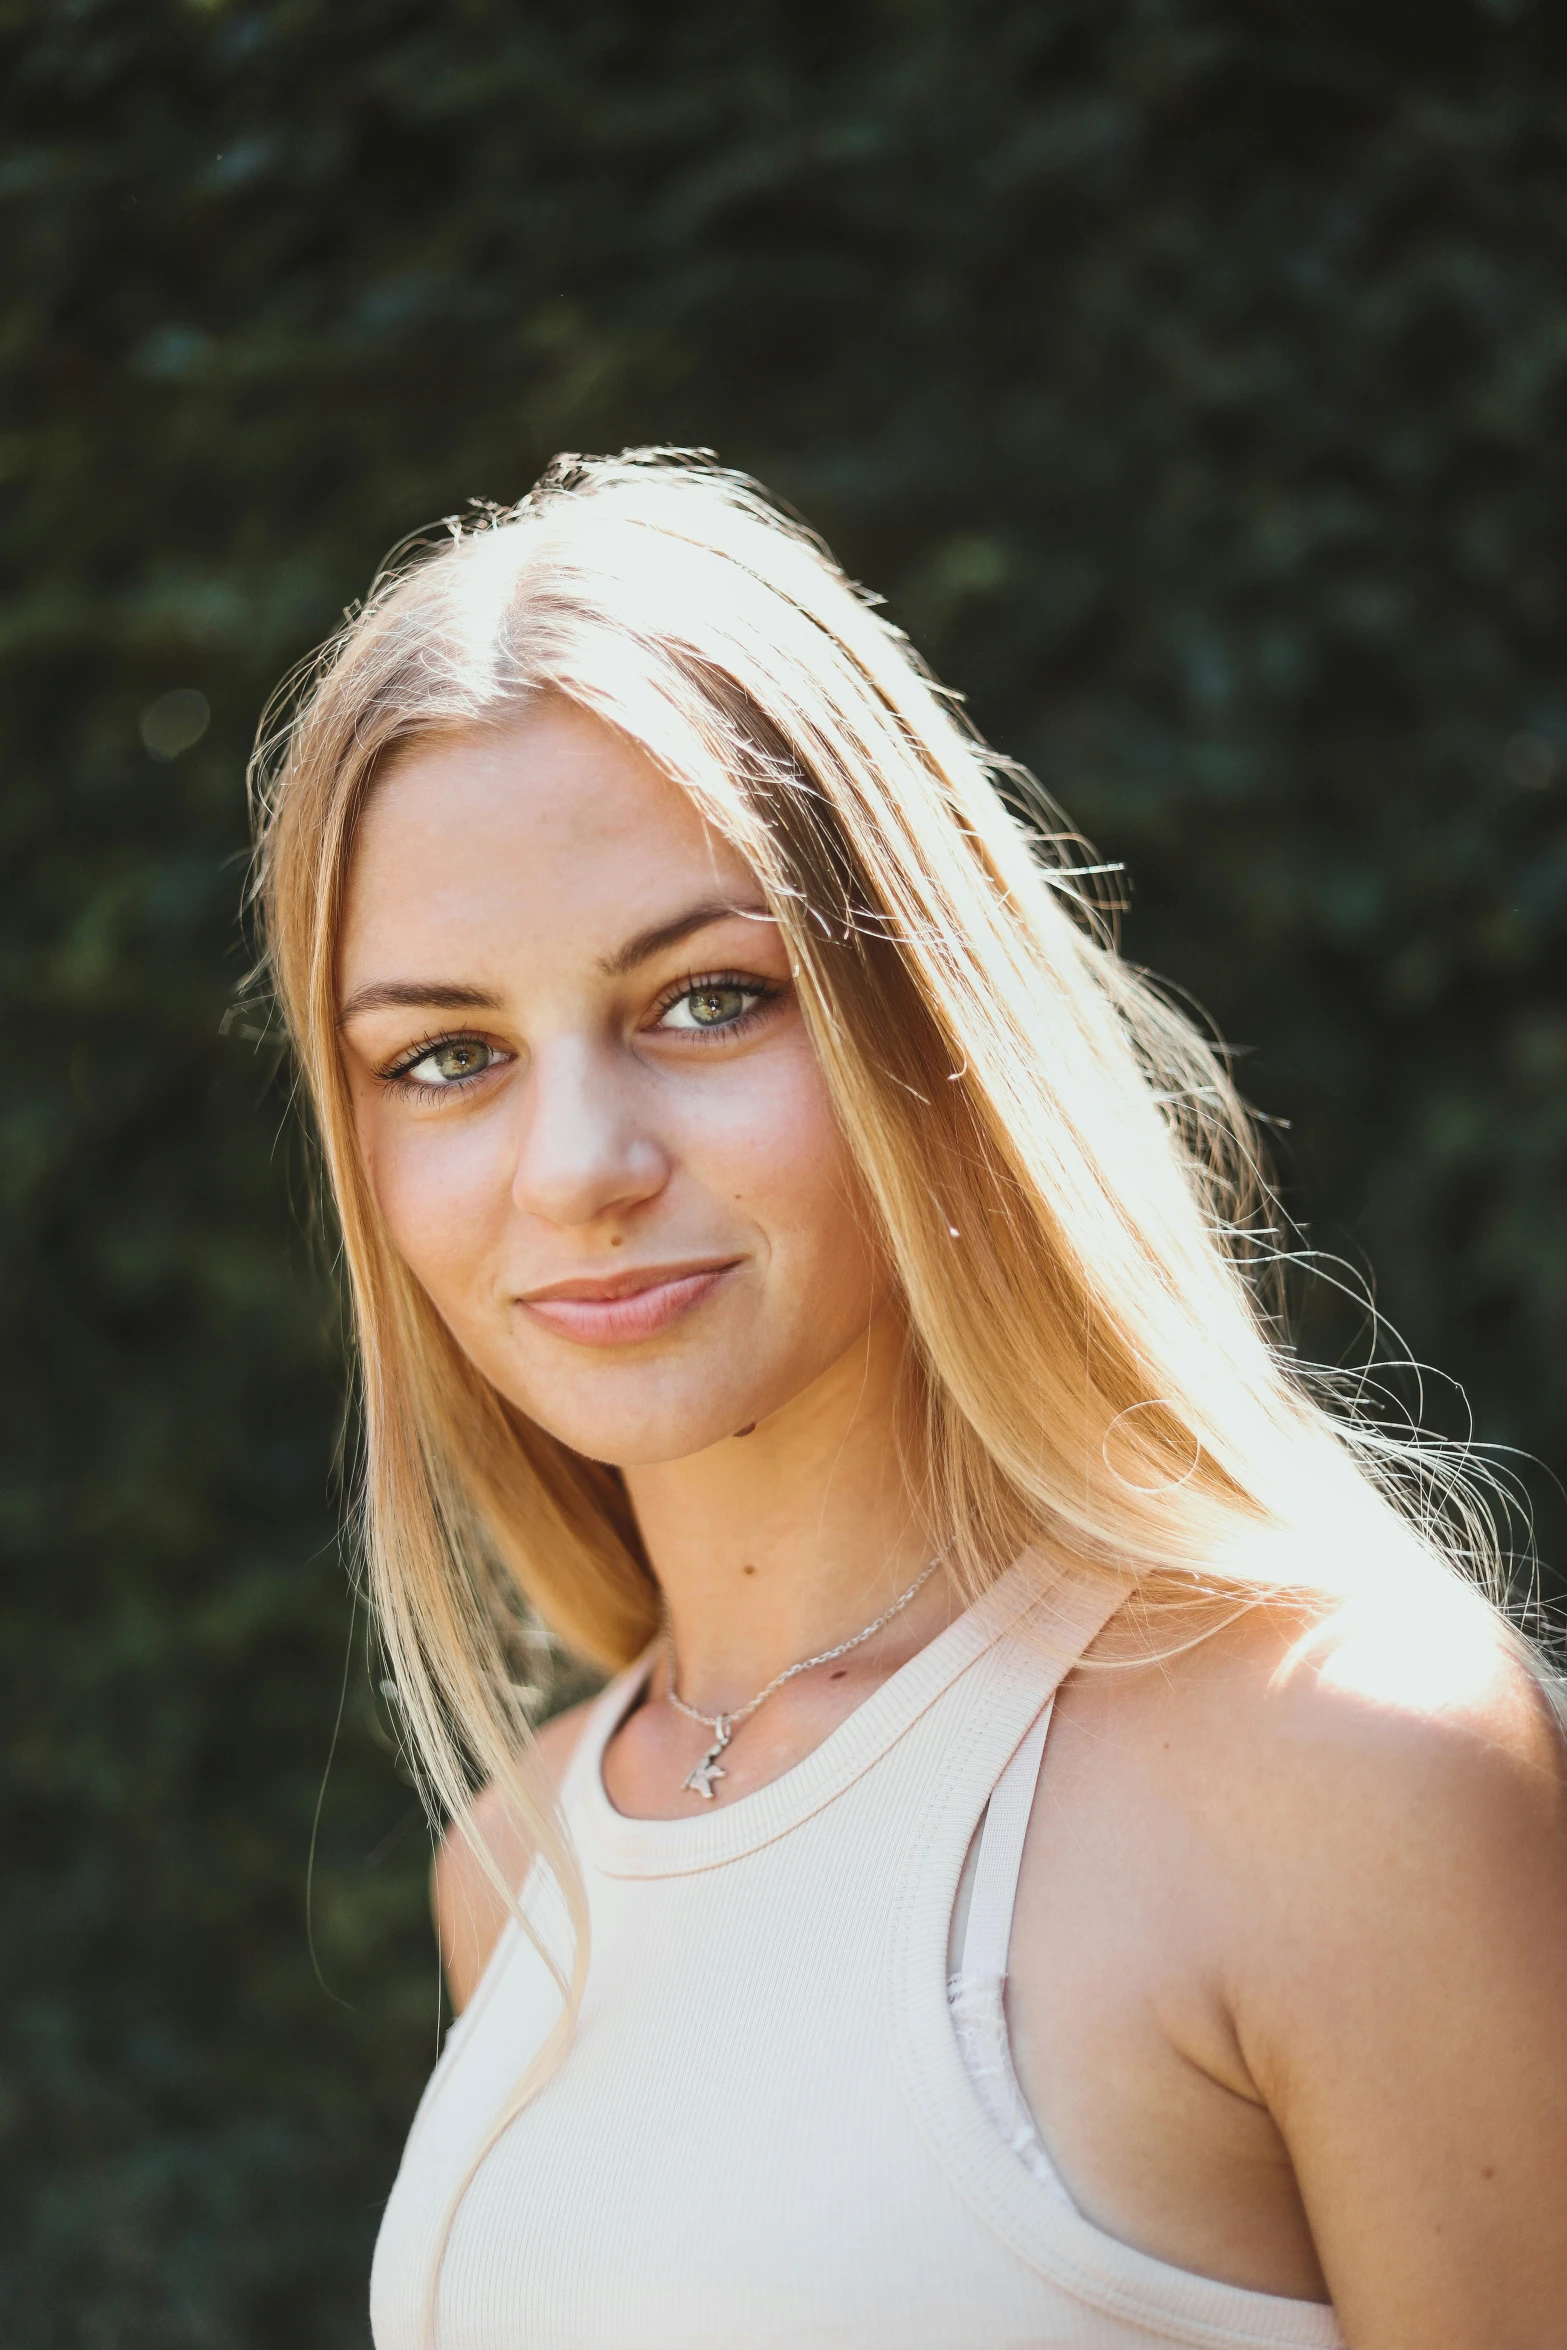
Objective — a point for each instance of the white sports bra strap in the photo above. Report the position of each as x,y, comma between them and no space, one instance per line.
988,1932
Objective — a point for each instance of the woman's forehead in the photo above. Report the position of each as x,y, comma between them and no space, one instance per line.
555,829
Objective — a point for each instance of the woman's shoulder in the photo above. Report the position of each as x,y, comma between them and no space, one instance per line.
1332,1734
1387,1800
1316,1862
1411,1704
1369,1798
490,1842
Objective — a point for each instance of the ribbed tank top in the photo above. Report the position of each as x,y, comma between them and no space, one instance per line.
764,2135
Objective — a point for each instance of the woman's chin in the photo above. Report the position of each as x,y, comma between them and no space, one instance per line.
653,1437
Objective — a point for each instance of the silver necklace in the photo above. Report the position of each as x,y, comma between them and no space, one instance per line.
723,1726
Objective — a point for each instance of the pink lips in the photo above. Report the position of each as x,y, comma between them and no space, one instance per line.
618,1309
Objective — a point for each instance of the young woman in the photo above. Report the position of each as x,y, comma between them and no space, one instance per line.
794,1254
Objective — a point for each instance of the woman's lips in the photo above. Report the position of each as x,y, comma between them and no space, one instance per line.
631,1307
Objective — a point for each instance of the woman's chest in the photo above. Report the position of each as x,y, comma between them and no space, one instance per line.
727,2153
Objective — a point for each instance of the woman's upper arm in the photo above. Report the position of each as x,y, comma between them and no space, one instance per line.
469,1910
1406,2014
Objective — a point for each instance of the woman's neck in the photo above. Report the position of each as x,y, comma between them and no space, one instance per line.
780,1542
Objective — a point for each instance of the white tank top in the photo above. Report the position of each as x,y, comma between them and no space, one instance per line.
776,2128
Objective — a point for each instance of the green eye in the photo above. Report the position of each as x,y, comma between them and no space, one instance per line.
710,1007
450,1063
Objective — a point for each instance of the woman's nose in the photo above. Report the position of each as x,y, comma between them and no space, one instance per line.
584,1151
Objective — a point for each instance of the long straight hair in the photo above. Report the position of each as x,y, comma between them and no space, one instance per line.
1065,1182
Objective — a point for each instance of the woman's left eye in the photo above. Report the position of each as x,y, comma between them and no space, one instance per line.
719,1005
449,1063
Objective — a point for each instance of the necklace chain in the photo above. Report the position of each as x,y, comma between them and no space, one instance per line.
723,1726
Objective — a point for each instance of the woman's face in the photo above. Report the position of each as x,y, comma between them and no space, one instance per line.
588,1105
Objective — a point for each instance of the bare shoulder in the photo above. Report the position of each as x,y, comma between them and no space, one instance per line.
1335,1837
1395,1798
469,1911
1369,1805
1402,1739
1411,1710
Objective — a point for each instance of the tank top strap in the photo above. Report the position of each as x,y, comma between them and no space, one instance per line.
987,1936
1061,1639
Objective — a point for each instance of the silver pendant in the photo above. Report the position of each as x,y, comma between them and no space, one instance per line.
700,1780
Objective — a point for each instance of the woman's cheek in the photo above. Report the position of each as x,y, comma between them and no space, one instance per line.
782,1157
442,1190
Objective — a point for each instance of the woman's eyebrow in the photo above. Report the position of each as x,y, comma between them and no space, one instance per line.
653,941
422,995
446,995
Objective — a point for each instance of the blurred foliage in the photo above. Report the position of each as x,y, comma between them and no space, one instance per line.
1193,377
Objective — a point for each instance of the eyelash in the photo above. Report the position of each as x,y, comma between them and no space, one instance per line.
746,982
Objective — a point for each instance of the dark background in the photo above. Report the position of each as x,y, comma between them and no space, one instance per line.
1191,377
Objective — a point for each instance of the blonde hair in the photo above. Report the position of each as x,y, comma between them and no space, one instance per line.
1066,1183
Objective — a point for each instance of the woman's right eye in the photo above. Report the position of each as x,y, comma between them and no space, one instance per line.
441,1066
